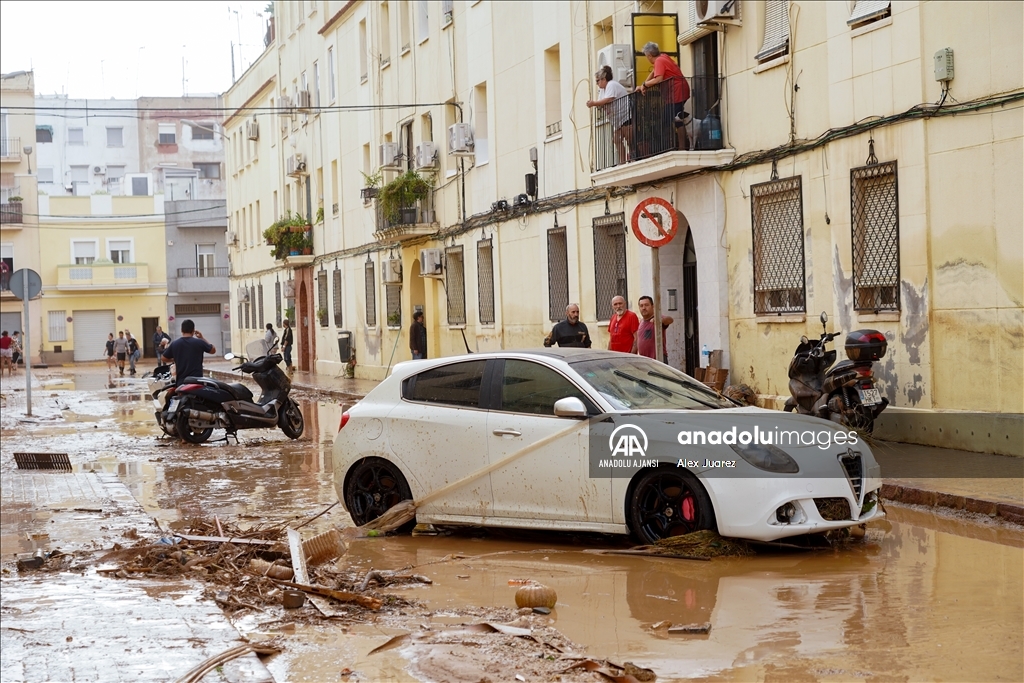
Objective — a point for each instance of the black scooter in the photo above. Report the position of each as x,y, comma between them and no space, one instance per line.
843,393
201,404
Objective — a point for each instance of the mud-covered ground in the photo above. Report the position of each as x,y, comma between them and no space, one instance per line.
927,597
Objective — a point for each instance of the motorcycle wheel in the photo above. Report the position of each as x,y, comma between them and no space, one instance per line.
185,430
290,420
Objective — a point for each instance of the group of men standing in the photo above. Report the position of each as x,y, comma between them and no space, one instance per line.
627,333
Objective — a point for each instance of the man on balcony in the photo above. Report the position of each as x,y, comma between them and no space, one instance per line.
612,97
676,95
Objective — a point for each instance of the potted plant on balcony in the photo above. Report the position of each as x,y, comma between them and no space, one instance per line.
373,183
287,235
399,199
289,314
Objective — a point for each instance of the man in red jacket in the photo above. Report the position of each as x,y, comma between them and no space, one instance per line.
667,70
622,327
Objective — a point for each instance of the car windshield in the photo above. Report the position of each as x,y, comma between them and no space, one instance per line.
638,383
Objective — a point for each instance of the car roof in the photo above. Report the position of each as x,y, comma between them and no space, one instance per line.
567,355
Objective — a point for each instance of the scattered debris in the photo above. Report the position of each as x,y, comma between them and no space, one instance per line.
292,599
742,393
536,595
690,628
196,674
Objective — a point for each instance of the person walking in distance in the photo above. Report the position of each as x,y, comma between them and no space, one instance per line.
159,339
110,351
287,339
134,352
121,351
570,332
418,337
187,352
645,343
16,348
622,327
270,338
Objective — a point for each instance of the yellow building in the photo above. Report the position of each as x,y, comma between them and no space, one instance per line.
103,270
790,106
19,234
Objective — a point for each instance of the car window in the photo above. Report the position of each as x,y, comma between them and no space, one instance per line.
457,384
637,383
533,388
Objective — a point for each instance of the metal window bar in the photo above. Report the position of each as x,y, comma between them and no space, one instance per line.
245,309
277,305
393,303
259,298
321,297
875,217
485,280
558,274
370,283
196,309
609,262
641,125
455,285
58,326
337,296
213,271
778,238
776,30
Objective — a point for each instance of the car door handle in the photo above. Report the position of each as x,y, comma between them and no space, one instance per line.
507,432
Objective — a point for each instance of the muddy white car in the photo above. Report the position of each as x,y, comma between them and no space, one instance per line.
585,440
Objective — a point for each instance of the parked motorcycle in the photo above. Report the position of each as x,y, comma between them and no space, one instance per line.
844,392
201,404
161,389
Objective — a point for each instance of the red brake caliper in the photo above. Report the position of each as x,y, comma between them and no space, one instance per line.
687,509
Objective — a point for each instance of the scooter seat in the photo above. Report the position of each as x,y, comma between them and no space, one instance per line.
237,390
240,391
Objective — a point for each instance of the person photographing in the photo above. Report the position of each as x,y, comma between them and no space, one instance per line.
187,353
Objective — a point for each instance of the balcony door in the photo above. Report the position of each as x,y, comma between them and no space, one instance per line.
705,86
205,260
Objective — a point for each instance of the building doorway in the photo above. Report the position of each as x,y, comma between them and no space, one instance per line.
691,337
303,315
149,326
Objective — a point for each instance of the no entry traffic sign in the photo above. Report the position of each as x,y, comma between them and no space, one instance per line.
655,222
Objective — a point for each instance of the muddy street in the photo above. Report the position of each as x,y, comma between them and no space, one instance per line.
926,596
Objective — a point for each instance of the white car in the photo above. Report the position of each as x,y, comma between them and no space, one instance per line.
587,440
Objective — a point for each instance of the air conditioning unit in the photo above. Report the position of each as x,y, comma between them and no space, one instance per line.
252,129
232,237
426,155
295,165
243,295
303,100
620,58
390,154
716,11
392,271
431,261
97,170
288,289
460,140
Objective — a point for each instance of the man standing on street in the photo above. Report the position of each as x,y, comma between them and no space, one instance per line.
645,344
622,327
134,352
287,339
418,337
187,352
159,337
121,351
570,332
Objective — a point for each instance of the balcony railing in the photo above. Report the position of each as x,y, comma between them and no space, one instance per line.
408,220
103,276
11,213
643,125
213,271
10,149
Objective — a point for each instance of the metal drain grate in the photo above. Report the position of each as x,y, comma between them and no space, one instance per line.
43,461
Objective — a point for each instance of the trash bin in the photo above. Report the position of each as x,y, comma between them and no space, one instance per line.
344,345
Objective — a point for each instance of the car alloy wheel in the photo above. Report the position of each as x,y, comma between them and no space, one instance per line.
374,486
668,503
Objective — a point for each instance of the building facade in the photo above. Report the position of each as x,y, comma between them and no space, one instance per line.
824,169
19,224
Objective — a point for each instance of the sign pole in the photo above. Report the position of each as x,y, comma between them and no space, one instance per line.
659,346
26,348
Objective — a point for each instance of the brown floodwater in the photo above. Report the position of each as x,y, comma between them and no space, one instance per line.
935,597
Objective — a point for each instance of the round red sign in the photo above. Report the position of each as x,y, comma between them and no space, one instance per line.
655,222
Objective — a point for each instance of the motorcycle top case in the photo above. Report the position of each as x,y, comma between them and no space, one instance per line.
865,345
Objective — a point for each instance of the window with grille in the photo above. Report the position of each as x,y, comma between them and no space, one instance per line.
485,280
277,304
558,274
241,314
248,320
58,326
455,285
776,30
321,296
875,217
609,263
393,302
778,223
252,305
337,297
370,280
259,298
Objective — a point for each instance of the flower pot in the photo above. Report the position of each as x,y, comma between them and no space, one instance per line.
306,251
293,252
369,192
298,228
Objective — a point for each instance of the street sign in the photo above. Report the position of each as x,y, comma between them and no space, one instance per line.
17,280
655,222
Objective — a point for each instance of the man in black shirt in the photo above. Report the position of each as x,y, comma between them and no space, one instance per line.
570,332
418,337
187,352
286,341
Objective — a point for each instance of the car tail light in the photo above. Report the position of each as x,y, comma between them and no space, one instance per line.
863,370
344,421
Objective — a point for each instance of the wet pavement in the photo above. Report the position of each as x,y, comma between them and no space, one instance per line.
931,596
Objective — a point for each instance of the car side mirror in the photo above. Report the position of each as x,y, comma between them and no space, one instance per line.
570,407
229,356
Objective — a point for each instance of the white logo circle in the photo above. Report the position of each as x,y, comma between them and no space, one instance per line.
614,446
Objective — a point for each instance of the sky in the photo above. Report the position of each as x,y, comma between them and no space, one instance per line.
124,50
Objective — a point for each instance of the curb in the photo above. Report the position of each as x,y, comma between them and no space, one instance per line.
913,496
